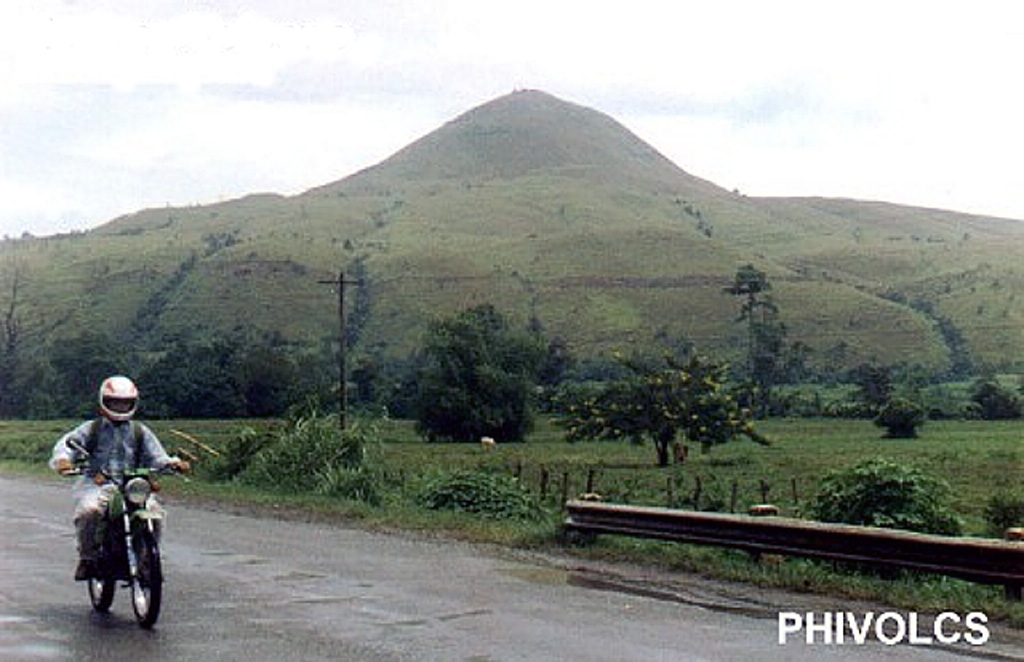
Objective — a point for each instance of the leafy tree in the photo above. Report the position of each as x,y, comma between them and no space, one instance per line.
661,403
558,360
79,364
195,381
265,377
996,402
901,418
874,385
478,377
765,333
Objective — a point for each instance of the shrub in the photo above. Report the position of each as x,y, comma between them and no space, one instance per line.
305,454
1004,511
360,484
885,494
492,495
900,418
995,402
239,452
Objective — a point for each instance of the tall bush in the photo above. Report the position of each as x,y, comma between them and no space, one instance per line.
900,418
883,493
1003,511
478,378
311,454
996,402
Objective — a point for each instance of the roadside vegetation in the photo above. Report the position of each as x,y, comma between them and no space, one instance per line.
490,429
381,474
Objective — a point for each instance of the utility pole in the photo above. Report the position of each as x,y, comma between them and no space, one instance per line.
342,371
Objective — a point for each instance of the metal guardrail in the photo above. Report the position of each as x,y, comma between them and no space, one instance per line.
979,560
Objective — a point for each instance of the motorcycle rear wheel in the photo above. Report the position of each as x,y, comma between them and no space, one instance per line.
147,585
101,593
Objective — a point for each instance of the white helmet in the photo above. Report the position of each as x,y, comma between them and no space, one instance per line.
118,398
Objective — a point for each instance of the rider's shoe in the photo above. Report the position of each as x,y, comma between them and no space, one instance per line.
86,570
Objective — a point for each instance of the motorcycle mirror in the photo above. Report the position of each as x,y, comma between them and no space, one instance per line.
78,447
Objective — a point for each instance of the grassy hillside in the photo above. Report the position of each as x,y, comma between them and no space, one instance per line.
543,208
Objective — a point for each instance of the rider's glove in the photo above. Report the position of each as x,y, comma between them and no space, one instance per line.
64,466
181,466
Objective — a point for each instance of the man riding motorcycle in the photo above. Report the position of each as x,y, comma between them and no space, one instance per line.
113,442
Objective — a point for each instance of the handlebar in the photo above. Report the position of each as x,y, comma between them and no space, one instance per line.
144,472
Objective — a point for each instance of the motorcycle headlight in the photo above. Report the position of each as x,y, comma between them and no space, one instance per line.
137,490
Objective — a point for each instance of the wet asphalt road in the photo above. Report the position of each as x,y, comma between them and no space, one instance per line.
262,590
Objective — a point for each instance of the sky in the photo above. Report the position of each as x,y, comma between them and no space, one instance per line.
110,107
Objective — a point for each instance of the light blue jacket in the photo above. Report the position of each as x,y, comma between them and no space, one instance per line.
116,448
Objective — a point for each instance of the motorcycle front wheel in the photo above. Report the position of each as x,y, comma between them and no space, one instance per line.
147,585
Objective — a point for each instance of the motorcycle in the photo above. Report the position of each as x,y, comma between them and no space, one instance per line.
130,551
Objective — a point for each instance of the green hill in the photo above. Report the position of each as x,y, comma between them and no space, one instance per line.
548,210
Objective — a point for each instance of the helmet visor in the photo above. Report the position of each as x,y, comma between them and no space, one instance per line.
119,405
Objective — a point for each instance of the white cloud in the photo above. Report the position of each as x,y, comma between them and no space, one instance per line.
188,50
131,104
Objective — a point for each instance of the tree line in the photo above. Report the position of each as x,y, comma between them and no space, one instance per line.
475,375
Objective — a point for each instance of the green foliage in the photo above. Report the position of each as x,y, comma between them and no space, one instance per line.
995,402
491,495
229,377
237,454
478,378
32,449
766,334
901,418
660,403
310,454
882,493
1003,511
874,383
355,484
80,363
194,380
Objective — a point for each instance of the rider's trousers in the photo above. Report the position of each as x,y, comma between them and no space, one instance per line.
90,504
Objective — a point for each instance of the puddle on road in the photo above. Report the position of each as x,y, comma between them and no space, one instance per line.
712,603
543,576
325,599
298,576
9,620
243,559
464,614
560,577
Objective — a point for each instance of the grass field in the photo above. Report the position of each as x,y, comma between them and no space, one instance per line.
978,459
